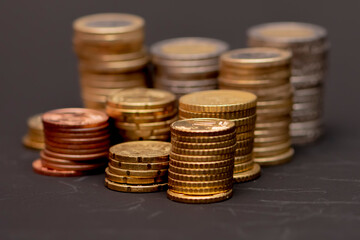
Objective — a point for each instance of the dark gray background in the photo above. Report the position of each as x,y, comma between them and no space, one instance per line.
314,197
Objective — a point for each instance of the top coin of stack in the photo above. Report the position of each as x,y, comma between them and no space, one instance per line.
264,72
111,55
142,113
237,106
76,142
201,160
35,135
309,45
185,65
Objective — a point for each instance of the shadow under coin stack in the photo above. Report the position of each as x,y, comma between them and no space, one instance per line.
76,142
201,160
140,166
111,55
185,65
35,135
309,45
236,106
266,73
142,113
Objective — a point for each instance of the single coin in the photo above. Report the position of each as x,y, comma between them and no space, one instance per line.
200,184
202,165
218,101
135,188
76,151
200,191
272,150
193,158
188,145
138,166
243,167
76,157
202,139
199,178
204,152
32,144
141,151
73,167
243,159
184,198
248,175
84,146
138,173
40,169
224,115
275,160
206,171
132,181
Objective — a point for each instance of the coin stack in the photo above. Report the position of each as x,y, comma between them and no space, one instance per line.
139,166
185,65
35,135
237,106
76,142
111,55
142,113
201,160
309,45
264,72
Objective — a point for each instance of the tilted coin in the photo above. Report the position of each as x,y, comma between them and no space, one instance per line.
137,173
275,160
138,166
202,165
184,198
248,175
131,180
135,188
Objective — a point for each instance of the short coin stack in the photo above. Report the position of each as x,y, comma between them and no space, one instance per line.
139,166
201,160
35,136
309,45
76,142
185,65
266,73
237,106
142,113
111,55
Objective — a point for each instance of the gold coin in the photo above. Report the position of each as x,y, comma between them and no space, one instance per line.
275,160
148,118
245,136
268,151
217,101
250,83
145,126
138,166
206,171
271,132
200,184
133,181
246,121
268,141
245,143
179,197
188,145
200,191
119,114
135,188
275,112
243,151
203,139
264,93
248,175
277,123
224,115
202,165
138,173
204,152
189,158
199,178
243,167
245,128
243,159
32,144
136,135
141,151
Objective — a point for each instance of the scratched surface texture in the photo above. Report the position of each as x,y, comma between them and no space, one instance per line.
317,196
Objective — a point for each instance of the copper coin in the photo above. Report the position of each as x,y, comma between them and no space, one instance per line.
62,130
40,169
47,158
76,157
68,136
74,167
76,151
79,146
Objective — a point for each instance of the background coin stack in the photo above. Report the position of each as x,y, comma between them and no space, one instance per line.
139,166
201,160
35,135
309,45
185,65
264,72
76,142
111,55
142,113
237,106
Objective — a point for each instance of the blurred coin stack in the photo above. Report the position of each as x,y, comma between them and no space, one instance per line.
309,45
76,142
142,113
111,55
185,65
266,73
139,166
237,106
201,160
35,135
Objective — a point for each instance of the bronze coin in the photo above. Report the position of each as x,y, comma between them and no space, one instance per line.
79,146
47,158
76,151
77,138
76,157
74,167
40,169
62,130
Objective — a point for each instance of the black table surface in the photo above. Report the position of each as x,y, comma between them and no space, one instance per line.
316,196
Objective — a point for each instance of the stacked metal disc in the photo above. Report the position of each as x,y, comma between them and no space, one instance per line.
76,142
185,65
264,72
35,135
142,113
201,160
111,55
139,166
237,106
309,45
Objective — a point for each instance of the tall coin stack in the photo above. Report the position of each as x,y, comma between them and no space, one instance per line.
139,166
111,55
309,45
237,106
142,113
201,160
185,65
35,135
264,72
76,142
